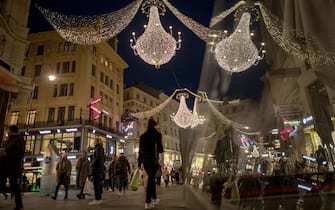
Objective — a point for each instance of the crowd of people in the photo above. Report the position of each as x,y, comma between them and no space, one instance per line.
113,176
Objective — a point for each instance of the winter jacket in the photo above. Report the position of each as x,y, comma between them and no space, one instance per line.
63,171
122,167
83,168
13,161
150,146
97,164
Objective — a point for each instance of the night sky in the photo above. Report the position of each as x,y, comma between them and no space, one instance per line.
183,70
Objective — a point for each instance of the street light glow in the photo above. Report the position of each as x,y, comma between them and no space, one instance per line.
52,77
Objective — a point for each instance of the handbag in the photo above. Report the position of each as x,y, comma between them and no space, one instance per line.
88,188
134,180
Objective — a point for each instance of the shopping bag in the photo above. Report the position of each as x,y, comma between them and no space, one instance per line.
88,188
134,180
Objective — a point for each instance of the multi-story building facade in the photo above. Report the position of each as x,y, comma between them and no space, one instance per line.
13,46
84,101
303,90
138,98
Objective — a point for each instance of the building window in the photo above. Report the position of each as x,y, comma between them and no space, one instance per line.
23,71
61,115
66,67
106,80
58,67
70,116
51,115
63,90
14,118
35,93
71,89
94,50
137,96
101,77
111,84
105,121
92,91
117,89
31,116
68,47
73,68
93,70
110,124
60,47
55,90
37,70
40,50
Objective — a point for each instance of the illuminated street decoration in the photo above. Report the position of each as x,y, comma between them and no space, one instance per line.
196,119
89,30
94,111
237,52
155,46
183,117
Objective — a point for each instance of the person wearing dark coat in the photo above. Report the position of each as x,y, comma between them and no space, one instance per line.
122,171
12,156
98,171
150,147
3,178
63,171
112,173
83,168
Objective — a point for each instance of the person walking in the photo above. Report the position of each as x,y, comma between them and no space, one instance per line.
112,173
12,155
98,169
3,178
149,150
83,168
166,177
122,171
63,172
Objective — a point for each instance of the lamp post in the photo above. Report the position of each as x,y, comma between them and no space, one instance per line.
51,77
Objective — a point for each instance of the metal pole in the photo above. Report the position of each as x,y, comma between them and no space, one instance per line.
30,106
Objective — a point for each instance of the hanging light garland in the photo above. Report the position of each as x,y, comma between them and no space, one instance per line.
237,52
155,46
303,51
89,30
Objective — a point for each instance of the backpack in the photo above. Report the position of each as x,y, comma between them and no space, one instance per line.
122,167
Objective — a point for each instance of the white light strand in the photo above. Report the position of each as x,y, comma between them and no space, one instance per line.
291,46
183,117
220,116
237,52
88,30
155,46
200,30
154,111
224,14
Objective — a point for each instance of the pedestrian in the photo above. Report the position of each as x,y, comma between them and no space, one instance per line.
12,155
122,172
112,173
166,176
177,177
159,175
63,173
149,150
173,175
3,178
82,168
97,168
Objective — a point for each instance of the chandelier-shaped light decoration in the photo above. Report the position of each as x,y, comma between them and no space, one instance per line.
88,30
155,46
196,119
237,52
183,117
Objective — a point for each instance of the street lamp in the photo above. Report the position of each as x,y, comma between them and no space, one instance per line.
51,77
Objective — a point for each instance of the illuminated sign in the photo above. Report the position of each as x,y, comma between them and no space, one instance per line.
307,120
95,109
45,132
95,101
105,112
